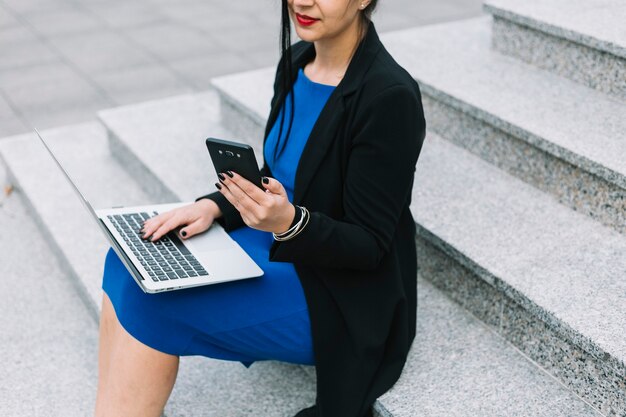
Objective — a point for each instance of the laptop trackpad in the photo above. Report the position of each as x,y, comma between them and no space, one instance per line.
212,240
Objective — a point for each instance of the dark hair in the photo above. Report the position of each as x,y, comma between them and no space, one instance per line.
286,67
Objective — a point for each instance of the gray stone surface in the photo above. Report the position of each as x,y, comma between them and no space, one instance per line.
49,342
101,51
63,21
106,43
549,279
140,83
501,98
200,71
547,111
597,69
459,367
255,89
208,387
571,185
162,144
70,231
598,24
56,100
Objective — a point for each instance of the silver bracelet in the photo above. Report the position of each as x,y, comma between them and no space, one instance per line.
299,227
294,227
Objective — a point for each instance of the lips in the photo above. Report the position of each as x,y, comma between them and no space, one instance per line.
305,20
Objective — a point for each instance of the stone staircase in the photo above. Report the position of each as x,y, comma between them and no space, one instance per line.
519,201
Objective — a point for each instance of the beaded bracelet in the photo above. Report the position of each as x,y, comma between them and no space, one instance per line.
296,229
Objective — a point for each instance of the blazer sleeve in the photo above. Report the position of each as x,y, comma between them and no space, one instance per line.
387,138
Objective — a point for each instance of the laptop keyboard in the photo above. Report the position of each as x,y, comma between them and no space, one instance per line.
165,259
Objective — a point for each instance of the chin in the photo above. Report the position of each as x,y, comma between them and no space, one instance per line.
307,35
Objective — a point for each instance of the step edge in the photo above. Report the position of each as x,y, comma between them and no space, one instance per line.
526,135
559,152
570,35
60,255
557,325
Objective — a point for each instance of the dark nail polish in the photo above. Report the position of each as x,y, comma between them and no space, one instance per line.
266,180
230,174
183,233
221,177
217,184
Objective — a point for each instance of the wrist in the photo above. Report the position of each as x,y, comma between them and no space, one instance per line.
291,219
210,206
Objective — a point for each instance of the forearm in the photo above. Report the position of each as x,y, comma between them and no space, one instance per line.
229,218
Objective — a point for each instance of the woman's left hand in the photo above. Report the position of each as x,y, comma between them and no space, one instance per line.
268,210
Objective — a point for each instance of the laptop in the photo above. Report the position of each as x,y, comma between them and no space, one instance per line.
170,263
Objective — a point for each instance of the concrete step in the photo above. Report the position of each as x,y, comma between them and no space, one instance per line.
580,39
561,137
528,274
548,279
49,342
161,143
68,228
534,299
459,367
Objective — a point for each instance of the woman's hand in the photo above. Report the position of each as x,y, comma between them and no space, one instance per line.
268,210
195,218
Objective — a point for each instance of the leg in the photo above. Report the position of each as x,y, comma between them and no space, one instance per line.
134,379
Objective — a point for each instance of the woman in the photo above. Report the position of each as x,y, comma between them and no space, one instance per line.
344,134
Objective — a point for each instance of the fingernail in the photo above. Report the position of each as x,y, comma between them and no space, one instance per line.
217,184
221,177
183,233
266,180
230,174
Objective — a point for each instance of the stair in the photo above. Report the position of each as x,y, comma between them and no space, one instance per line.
582,40
49,342
72,234
532,124
520,206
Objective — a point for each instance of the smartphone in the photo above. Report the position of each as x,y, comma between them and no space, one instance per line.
236,157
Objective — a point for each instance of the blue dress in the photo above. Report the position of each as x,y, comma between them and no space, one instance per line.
263,318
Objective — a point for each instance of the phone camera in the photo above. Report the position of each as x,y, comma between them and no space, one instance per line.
229,153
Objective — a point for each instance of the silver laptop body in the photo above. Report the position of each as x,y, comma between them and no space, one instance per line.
171,263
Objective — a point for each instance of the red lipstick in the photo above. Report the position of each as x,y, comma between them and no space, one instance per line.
305,20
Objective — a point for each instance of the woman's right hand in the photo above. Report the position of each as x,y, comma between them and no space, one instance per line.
194,218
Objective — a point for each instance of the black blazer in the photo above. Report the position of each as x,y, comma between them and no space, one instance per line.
356,258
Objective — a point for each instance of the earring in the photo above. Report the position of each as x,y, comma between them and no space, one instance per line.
362,6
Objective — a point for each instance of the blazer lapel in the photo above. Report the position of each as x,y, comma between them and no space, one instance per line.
322,135
328,123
